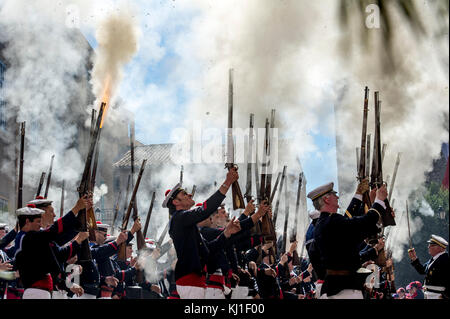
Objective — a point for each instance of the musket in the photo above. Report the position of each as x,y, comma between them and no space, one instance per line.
126,198
116,210
122,250
362,156
377,171
296,259
257,185
20,181
61,210
286,217
49,177
368,156
140,240
267,224
248,187
357,157
268,191
297,206
277,204
275,187
397,163
383,151
237,198
163,235
149,214
181,175
41,182
94,166
409,230
194,188
84,217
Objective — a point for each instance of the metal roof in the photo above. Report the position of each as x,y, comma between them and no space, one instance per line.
154,153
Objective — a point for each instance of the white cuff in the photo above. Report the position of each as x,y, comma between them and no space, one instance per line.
380,202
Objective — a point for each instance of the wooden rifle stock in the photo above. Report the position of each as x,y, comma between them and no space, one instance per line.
122,247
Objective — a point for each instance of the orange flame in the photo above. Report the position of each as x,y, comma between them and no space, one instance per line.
106,97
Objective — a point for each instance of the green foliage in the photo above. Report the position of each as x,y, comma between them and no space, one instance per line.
437,197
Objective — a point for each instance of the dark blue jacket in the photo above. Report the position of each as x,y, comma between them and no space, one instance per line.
35,258
192,250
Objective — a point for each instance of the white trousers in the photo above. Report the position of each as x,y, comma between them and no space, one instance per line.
240,293
214,293
85,296
34,293
59,294
345,294
432,295
318,289
191,292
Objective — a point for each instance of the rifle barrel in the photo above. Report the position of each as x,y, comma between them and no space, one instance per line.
49,177
61,211
149,214
41,182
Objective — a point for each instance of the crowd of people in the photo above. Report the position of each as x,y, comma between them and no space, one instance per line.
212,256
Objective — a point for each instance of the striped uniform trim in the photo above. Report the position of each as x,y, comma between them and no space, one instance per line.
60,225
114,245
71,250
348,214
321,194
438,243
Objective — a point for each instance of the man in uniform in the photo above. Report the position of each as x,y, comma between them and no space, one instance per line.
192,250
337,239
436,269
35,258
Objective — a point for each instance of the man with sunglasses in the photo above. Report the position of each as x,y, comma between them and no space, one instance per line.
436,269
338,238
192,250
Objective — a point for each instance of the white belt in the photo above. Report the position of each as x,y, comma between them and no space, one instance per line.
435,288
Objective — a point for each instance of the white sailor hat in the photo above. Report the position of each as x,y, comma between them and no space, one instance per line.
29,210
171,194
102,227
3,226
150,243
438,240
110,238
321,190
40,201
314,214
